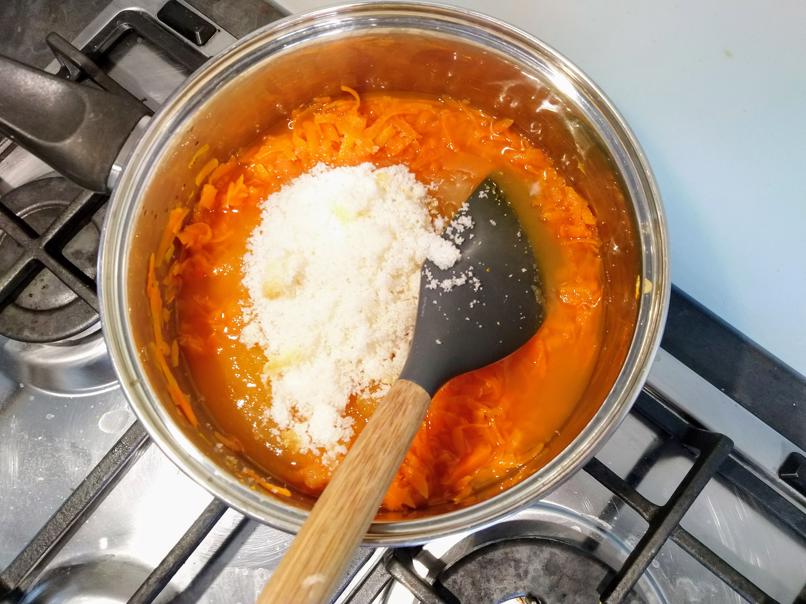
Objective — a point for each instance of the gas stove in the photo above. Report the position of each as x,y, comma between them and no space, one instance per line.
700,496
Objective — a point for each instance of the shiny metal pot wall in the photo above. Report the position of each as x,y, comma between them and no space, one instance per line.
424,49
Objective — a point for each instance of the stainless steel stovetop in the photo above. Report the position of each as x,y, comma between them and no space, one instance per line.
683,504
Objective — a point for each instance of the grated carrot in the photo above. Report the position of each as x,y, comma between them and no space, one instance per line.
202,151
159,348
265,484
174,354
178,396
207,197
195,235
483,427
155,305
206,170
353,94
231,443
221,172
175,219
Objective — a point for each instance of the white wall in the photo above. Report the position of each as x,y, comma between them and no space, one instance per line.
716,93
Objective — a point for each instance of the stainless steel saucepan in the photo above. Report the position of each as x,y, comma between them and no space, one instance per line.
104,141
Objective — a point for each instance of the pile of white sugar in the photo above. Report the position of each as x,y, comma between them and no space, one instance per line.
333,275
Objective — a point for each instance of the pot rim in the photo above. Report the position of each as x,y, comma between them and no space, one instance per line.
116,243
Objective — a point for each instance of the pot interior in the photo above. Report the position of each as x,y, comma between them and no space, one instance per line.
236,97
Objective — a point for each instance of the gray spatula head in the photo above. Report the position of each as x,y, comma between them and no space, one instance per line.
485,306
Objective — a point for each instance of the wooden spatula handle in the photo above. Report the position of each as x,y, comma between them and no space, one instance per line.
313,565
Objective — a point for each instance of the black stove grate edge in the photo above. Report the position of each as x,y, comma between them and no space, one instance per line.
168,567
663,520
768,388
715,455
21,573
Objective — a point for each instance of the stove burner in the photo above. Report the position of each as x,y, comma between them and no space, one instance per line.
105,580
529,570
49,235
75,367
545,554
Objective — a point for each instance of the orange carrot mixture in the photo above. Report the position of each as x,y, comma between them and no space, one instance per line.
482,426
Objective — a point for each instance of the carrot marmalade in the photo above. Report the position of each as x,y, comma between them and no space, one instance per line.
482,426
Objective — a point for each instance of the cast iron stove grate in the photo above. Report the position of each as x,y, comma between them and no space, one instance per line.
714,456
48,248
